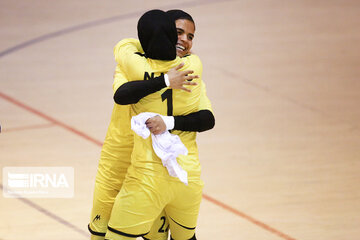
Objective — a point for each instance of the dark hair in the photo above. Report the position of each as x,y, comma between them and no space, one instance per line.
176,14
157,35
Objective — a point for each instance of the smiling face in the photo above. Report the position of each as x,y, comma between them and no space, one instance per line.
185,30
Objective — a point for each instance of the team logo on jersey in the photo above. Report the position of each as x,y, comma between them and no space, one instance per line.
97,217
148,76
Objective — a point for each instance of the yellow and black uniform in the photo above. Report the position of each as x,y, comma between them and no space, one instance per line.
114,161
172,102
116,154
113,164
117,148
148,188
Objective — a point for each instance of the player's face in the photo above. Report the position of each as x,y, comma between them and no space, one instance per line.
185,30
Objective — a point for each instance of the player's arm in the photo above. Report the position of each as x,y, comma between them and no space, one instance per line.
126,54
199,121
132,92
126,92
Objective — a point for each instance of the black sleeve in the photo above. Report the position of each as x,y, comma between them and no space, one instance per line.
200,121
132,92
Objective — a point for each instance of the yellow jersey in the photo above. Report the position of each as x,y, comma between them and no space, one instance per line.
133,65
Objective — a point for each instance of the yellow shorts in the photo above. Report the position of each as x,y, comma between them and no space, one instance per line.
109,179
143,197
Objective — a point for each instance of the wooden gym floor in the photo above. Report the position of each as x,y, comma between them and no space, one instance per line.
283,161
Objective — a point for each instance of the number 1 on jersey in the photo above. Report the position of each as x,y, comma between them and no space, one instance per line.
167,95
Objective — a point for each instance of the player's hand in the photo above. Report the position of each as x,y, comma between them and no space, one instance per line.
178,78
156,125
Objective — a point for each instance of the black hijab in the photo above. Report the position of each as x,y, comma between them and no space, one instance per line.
157,34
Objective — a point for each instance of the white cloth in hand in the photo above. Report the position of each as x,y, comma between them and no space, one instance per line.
167,146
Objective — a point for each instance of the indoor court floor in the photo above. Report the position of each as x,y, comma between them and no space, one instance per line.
283,161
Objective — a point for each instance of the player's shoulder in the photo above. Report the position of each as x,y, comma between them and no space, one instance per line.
127,41
135,43
191,56
193,60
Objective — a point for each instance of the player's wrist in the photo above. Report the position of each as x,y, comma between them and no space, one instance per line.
166,79
169,122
